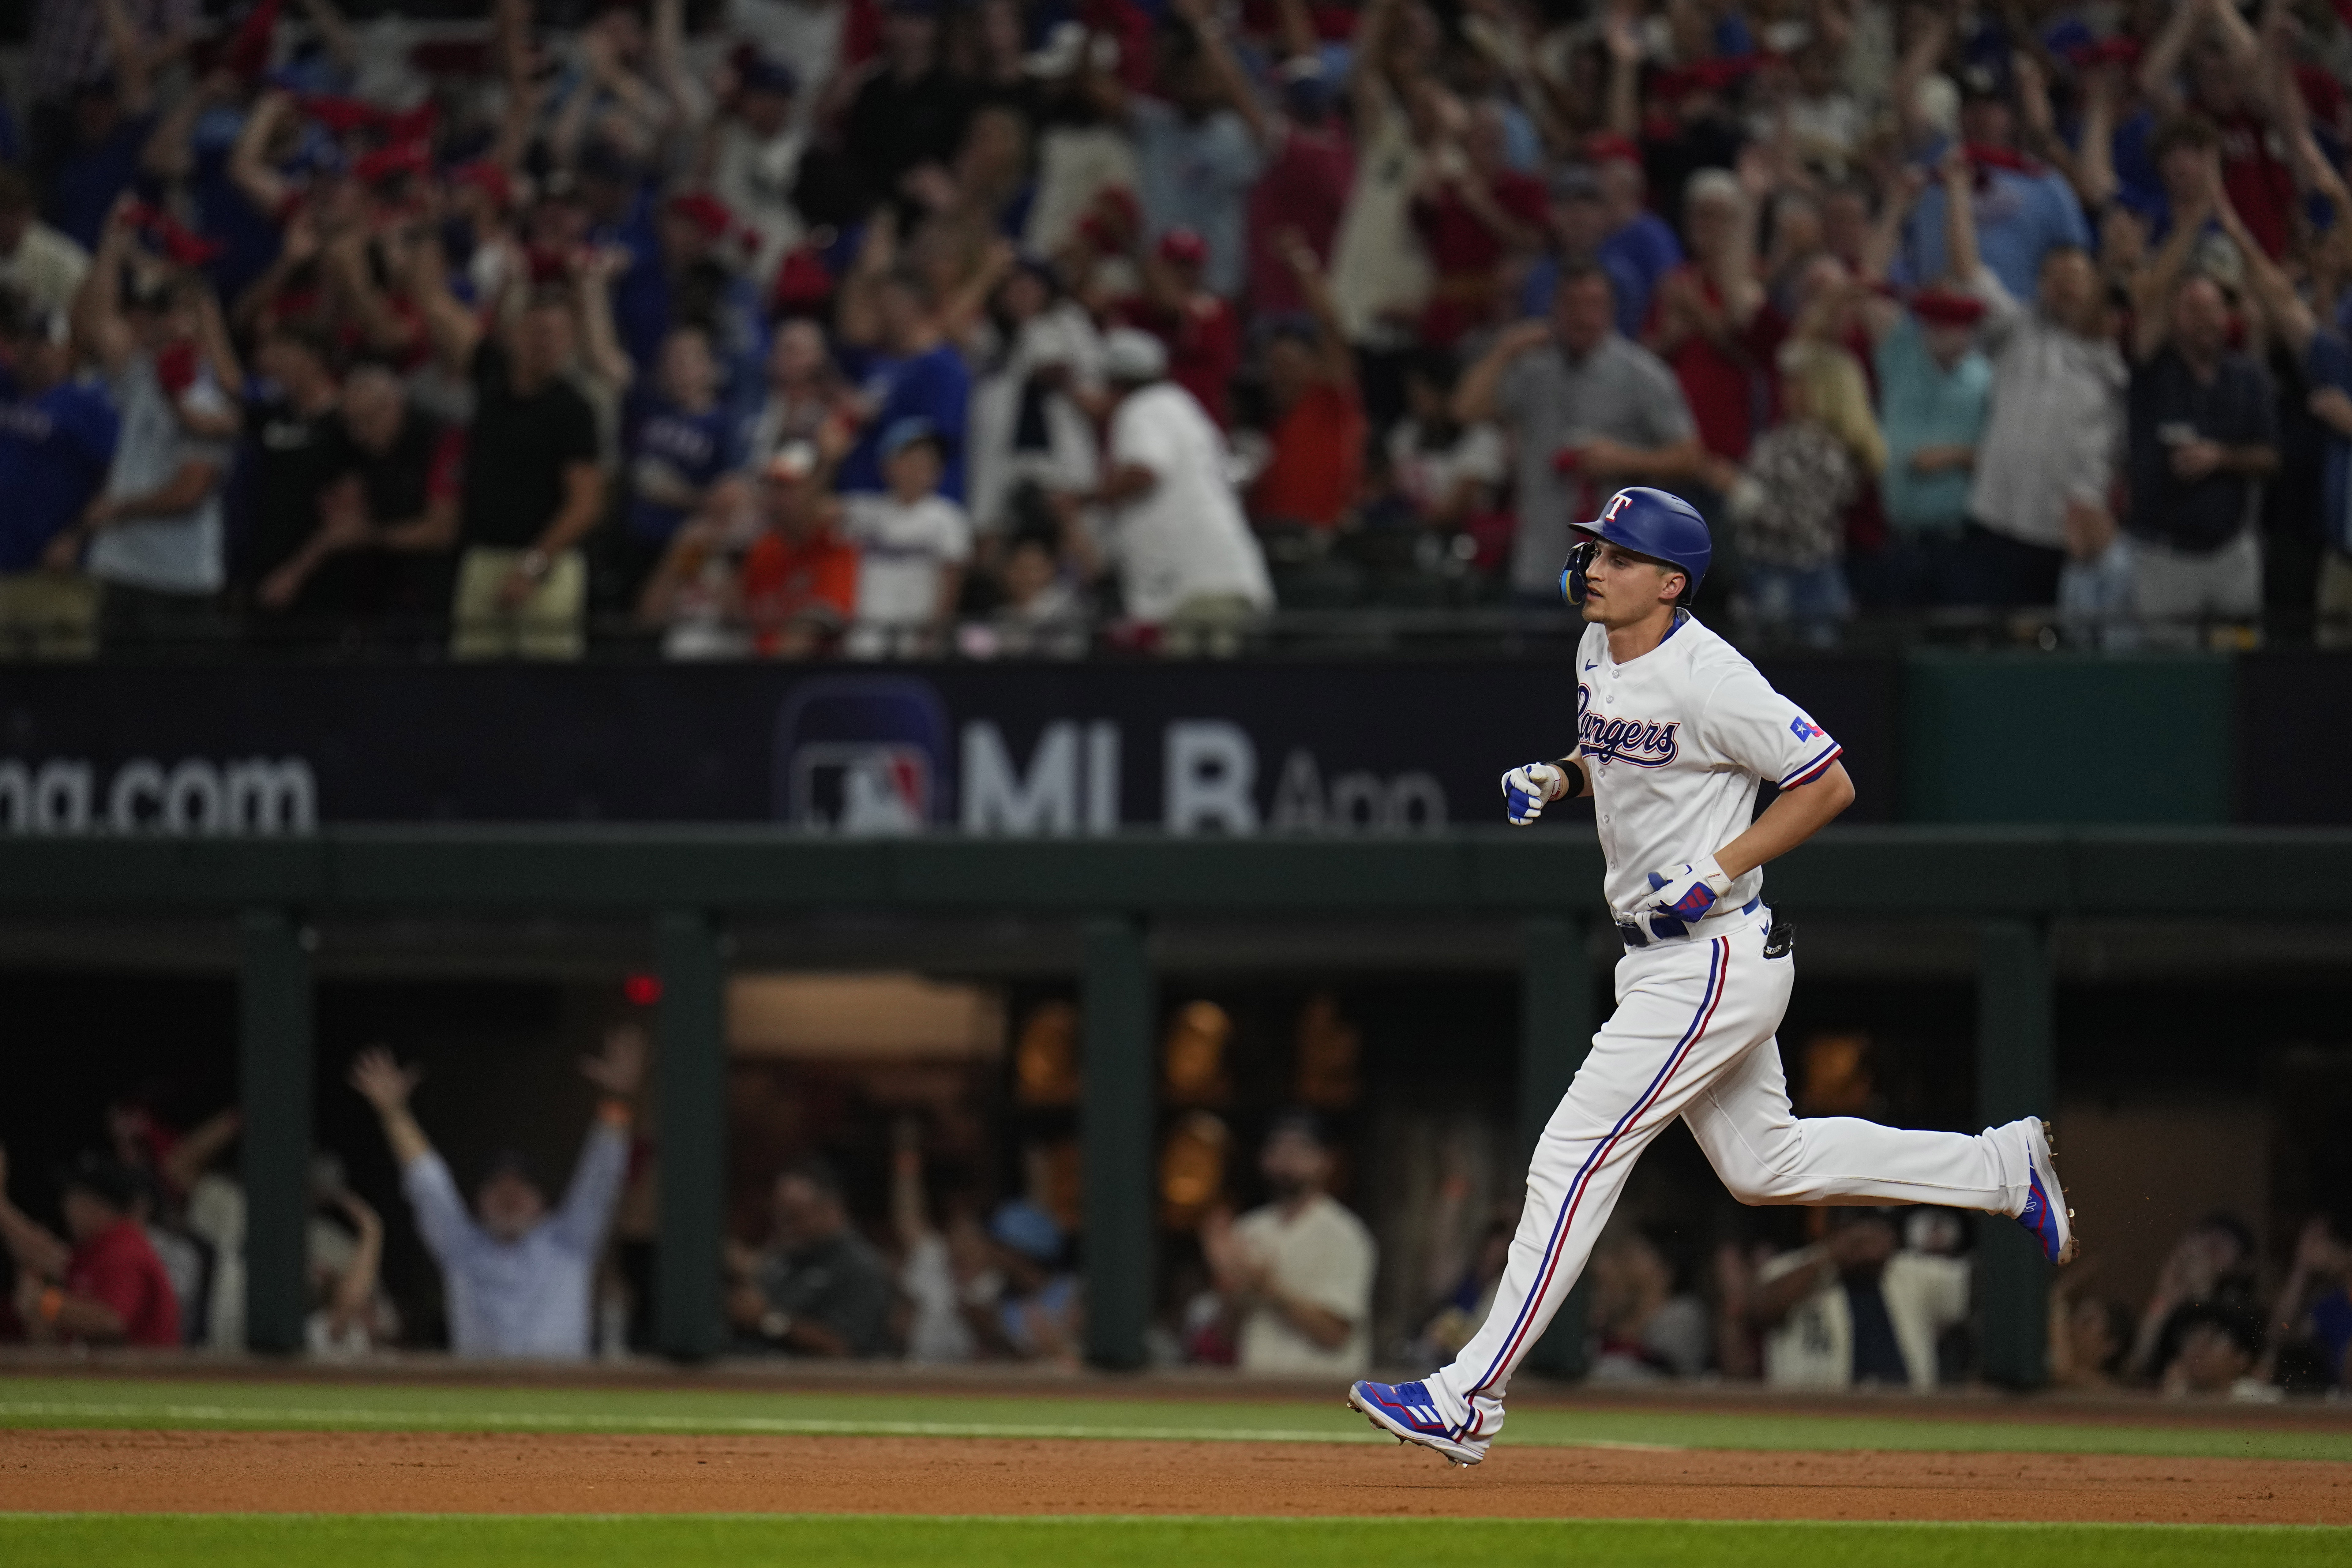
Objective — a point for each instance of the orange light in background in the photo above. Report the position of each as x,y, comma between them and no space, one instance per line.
642,990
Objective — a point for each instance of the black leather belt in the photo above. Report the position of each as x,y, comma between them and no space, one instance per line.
1635,936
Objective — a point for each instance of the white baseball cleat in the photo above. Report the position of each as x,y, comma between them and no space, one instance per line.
1408,1412
2045,1213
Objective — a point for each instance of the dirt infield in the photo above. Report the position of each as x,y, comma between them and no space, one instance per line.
285,1472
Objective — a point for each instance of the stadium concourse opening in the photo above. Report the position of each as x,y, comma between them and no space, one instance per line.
1105,1026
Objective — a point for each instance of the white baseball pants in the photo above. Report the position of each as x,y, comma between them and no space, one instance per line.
1693,1036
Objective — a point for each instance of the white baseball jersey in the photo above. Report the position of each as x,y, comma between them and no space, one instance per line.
1675,744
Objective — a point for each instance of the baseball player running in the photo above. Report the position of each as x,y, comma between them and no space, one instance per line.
1675,733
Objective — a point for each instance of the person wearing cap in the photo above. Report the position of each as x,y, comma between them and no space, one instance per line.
516,1275
43,264
760,571
1310,167
157,536
1637,247
1934,388
911,111
534,485
1186,560
913,544
817,37
1037,1314
57,443
1589,411
754,156
1858,1308
1380,273
685,441
1314,472
2201,422
800,576
2207,60
1201,329
1478,218
101,1283
818,1289
111,118
893,350
1296,1274
300,577
1577,234
1195,156
399,480
2054,427
2023,210
1030,433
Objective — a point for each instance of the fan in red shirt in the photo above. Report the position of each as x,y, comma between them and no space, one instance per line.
1315,464
2224,66
1311,168
1475,212
1202,334
107,1287
1711,322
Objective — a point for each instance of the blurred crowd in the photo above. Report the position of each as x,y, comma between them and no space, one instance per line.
147,1250
1026,328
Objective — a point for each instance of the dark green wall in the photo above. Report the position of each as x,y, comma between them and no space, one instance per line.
2045,738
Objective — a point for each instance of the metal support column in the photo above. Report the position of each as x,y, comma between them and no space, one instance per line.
1115,1130
691,1066
1555,1032
2015,1077
274,1070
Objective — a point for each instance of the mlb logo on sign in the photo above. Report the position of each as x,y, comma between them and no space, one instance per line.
1804,728
862,755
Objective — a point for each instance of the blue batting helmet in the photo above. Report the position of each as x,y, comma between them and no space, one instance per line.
1648,523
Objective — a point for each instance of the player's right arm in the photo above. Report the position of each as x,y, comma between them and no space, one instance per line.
1531,786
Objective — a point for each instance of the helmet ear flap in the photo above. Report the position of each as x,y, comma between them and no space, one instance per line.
1572,579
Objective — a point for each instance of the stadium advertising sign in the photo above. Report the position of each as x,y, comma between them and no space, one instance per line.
844,749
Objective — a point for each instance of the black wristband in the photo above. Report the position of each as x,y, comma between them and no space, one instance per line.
1574,788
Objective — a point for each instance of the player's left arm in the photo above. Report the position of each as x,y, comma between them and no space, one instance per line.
1795,815
1747,723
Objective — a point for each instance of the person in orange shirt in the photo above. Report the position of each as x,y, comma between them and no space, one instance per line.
760,571
1315,464
800,577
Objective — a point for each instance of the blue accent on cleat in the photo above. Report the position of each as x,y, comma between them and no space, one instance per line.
2045,1214
1411,1412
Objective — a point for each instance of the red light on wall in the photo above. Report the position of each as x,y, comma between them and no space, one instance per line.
642,990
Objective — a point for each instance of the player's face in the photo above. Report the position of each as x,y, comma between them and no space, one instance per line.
1622,588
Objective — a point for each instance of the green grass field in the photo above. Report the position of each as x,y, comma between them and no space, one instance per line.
214,1540
636,1540
320,1406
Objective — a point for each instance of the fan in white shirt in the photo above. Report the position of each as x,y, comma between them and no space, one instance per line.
1186,558
912,544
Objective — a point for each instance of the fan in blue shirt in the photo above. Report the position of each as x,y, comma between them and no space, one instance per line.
684,443
56,439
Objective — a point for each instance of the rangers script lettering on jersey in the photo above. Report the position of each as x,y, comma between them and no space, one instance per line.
1676,743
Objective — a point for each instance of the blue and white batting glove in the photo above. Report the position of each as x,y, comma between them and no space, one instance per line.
1527,788
1684,896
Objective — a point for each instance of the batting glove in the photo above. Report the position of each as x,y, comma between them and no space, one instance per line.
1527,789
1684,896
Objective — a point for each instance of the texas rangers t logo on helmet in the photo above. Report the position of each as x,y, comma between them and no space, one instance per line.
1617,503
